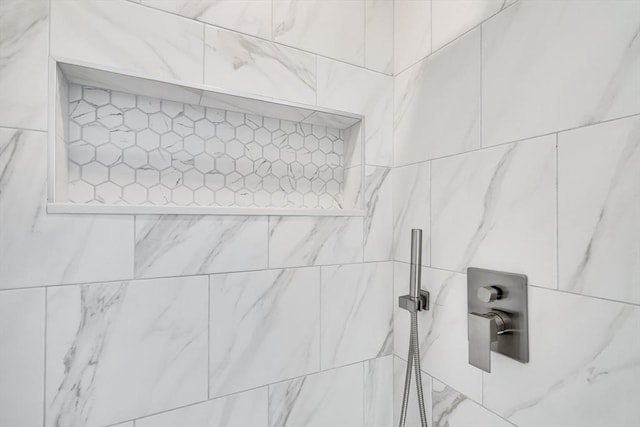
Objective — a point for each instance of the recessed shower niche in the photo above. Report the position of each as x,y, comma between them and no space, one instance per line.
127,144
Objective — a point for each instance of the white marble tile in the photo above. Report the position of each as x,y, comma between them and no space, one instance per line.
22,357
40,249
125,424
245,16
411,32
555,85
496,208
248,409
185,245
379,35
585,372
123,350
24,50
300,241
598,208
356,90
261,329
378,392
446,89
329,398
332,28
413,414
356,313
453,409
237,62
128,36
411,209
450,18
378,223
443,328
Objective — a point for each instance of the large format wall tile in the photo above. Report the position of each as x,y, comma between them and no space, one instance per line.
22,357
378,223
379,35
300,241
24,49
538,72
119,351
599,210
450,19
584,366
496,208
453,409
413,413
437,113
246,16
248,409
247,64
185,245
264,326
332,28
356,90
443,328
356,316
411,32
38,249
378,392
411,203
128,36
329,398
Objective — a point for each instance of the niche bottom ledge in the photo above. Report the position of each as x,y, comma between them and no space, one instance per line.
74,208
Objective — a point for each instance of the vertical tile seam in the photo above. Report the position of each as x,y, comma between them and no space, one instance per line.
557,160
208,337
320,319
44,359
481,84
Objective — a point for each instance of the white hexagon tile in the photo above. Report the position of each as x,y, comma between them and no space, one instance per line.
132,150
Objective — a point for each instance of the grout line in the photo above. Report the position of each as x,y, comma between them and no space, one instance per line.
526,139
430,242
44,360
453,40
13,128
557,214
260,38
184,276
209,337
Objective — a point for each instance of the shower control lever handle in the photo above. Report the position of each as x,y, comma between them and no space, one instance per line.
484,330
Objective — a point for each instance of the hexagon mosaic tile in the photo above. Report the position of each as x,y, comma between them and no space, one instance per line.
132,150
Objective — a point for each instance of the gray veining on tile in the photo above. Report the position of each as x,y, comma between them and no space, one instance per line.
583,373
119,351
261,331
237,62
85,249
246,16
184,245
124,35
24,49
300,241
356,318
328,398
538,72
378,222
496,208
599,207
304,24
378,392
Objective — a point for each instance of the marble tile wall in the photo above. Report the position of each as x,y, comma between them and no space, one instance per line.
517,148
201,321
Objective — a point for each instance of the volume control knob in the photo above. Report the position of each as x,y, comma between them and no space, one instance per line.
489,293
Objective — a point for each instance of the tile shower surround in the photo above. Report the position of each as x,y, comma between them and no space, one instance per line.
127,149
573,372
